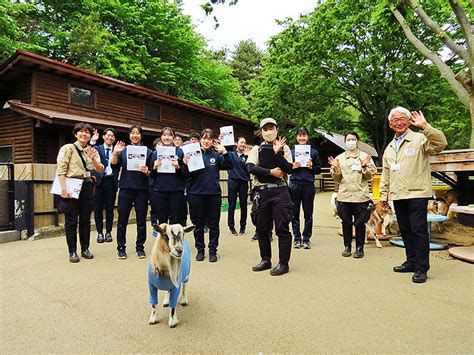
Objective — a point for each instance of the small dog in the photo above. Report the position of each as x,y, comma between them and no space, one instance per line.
168,269
381,217
440,205
334,203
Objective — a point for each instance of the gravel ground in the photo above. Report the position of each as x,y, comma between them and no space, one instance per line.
326,303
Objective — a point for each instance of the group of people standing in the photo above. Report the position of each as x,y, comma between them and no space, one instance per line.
276,199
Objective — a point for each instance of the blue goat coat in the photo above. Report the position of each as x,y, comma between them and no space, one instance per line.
156,283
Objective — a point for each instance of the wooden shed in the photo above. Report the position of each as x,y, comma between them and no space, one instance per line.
41,99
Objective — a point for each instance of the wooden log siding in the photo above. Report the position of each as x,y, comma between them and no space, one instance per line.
17,130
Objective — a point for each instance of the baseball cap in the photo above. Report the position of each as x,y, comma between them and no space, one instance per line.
266,121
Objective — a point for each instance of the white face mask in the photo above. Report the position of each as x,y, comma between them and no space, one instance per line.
269,136
351,145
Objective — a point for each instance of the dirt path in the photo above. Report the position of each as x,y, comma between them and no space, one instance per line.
325,304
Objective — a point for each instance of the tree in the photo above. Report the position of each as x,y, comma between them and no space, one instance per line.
149,43
456,35
246,63
340,57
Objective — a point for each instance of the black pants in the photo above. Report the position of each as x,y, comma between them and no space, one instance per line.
127,199
105,198
413,223
274,206
302,195
168,206
353,214
206,209
237,187
78,208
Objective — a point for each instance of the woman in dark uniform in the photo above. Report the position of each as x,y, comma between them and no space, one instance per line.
77,160
167,191
133,192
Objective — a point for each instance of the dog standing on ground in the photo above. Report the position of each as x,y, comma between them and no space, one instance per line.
381,216
168,269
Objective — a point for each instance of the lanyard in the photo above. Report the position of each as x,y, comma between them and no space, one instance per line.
82,158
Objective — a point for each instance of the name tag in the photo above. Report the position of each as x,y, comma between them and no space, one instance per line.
410,152
395,167
356,166
87,175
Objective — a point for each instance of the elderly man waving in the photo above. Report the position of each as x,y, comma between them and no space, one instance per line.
406,180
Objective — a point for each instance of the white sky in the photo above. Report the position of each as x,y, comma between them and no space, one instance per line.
249,19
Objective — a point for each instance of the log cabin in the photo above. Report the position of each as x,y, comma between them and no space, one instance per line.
41,99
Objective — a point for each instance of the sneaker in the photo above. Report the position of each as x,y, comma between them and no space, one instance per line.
200,256
100,238
141,254
297,244
254,238
122,255
212,257
108,238
307,245
242,231
232,231
86,254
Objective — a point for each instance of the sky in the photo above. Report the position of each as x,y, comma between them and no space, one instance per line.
249,19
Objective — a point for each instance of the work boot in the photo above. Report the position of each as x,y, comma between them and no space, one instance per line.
359,253
346,252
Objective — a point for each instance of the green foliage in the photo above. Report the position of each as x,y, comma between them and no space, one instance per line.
246,63
343,68
150,43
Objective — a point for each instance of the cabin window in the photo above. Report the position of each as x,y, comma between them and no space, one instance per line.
80,96
6,154
196,123
152,112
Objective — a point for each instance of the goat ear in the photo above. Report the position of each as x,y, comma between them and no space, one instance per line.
189,228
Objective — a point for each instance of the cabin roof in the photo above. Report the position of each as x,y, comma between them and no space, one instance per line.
24,58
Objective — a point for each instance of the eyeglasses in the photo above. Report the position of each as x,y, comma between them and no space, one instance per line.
398,119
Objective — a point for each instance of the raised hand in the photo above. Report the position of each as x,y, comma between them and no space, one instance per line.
418,120
95,136
363,162
220,148
278,144
334,163
119,147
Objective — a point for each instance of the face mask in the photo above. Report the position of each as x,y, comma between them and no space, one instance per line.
269,136
351,145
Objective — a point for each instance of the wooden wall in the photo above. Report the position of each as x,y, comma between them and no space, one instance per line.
17,130
52,92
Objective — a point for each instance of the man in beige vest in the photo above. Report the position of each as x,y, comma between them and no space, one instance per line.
406,180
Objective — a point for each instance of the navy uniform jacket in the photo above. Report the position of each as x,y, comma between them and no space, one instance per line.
133,180
115,170
168,182
305,176
206,181
239,171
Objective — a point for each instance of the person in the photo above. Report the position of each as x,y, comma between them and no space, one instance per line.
76,161
178,141
167,190
406,180
302,191
194,137
269,163
151,181
105,188
133,192
238,184
205,193
353,169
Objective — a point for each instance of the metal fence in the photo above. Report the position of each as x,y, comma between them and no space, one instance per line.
7,197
